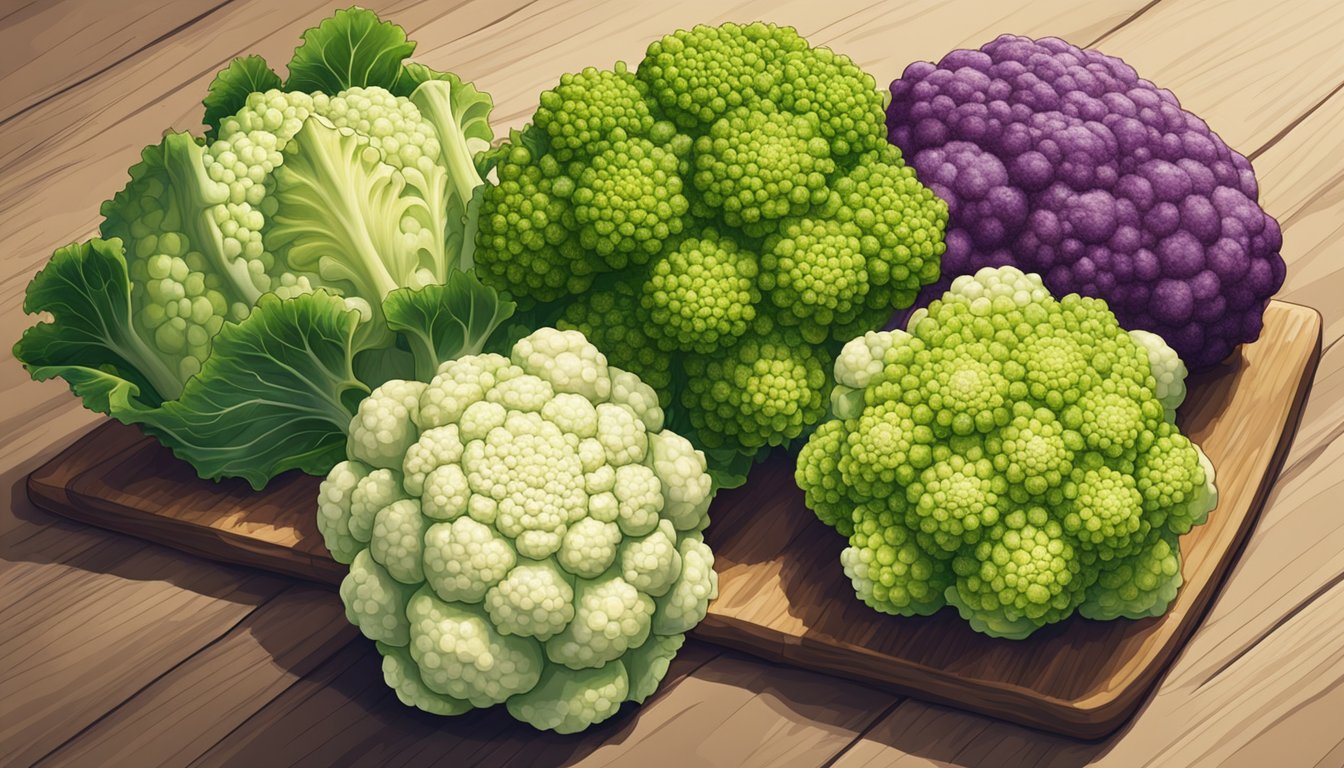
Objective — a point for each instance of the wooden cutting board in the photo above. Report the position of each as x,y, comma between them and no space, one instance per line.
782,594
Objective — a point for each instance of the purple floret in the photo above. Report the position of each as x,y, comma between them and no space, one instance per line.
1065,162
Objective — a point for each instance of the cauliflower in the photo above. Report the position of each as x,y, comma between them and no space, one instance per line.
221,260
1014,456
717,221
522,531
1065,162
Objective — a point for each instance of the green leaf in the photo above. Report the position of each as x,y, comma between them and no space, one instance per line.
229,90
530,137
470,108
729,468
444,322
277,393
352,48
339,214
461,118
92,342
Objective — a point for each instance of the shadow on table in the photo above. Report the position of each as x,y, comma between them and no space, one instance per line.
32,535
952,737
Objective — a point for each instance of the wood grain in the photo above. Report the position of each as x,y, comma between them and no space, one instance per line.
1223,48
181,715
47,47
343,714
782,594
110,620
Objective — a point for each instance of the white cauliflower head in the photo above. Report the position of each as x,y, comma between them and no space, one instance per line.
522,530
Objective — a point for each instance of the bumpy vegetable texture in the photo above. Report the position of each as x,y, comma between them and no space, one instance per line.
1012,455
1066,163
351,178
717,221
522,530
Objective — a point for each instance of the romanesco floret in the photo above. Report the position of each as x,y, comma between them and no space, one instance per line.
1012,455
538,543
731,197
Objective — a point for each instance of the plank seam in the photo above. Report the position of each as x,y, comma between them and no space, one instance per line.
225,737
881,716
1132,17
1276,138
1284,619
215,641
117,63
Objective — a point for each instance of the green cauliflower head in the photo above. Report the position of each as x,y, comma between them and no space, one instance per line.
523,531
718,221
1012,455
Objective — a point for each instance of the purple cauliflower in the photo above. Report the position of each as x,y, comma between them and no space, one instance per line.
1065,162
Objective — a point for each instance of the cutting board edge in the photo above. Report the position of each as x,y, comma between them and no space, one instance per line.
1088,717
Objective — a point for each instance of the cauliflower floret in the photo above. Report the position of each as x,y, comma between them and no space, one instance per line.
437,447
536,600
639,498
622,436
403,676
461,654
687,602
374,601
460,383
610,617
445,494
573,414
628,390
687,486
652,563
464,559
568,701
397,540
567,361
375,490
333,510
589,547
384,426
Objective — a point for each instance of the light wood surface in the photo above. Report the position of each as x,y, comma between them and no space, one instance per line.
782,595
92,621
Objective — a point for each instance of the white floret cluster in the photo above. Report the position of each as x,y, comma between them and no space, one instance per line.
522,530
188,296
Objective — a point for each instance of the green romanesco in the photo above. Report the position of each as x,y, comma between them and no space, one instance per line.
1012,455
717,220
523,531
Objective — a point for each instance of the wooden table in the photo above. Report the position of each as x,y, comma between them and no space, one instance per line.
118,652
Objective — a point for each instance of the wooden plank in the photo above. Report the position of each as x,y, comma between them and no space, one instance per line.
1278,704
745,713
1248,68
275,530
181,715
343,714
83,633
46,47
782,594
